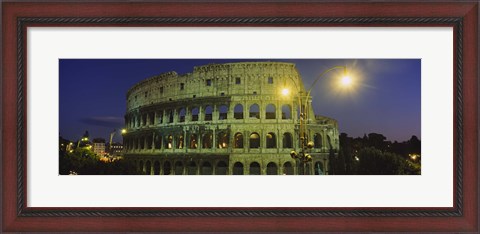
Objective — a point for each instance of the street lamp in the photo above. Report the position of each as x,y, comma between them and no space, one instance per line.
303,157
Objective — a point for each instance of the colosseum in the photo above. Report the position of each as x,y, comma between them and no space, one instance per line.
225,119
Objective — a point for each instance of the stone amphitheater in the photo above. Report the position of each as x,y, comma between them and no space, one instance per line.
224,119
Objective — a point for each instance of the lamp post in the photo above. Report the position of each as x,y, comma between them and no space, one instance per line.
304,102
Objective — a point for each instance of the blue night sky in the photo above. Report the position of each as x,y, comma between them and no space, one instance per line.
385,97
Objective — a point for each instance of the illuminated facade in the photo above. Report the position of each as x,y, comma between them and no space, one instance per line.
224,119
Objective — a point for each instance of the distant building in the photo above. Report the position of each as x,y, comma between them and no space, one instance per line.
116,149
98,146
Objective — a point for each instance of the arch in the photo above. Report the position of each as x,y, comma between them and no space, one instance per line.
160,116
141,142
167,168
156,168
179,143
287,168
207,140
169,142
222,112
254,112
221,168
238,168
317,140
192,168
254,140
238,111
193,141
271,140
206,169
178,168
170,116
181,114
272,168
140,166
148,168
144,119
149,142
158,141
270,112
195,112
286,111
208,113
135,143
255,169
238,140
222,140
151,118
319,168
287,140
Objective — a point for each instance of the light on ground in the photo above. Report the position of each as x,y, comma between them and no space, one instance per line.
285,92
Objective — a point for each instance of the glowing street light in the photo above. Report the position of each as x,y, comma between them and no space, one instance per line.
304,101
124,131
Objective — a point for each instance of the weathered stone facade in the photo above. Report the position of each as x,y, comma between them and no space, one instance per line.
223,119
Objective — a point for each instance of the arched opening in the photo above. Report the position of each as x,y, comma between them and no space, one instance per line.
222,140
192,168
254,112
238,168
221,168
179,141
169,142
287,140
207,140
272,169
135,143
151,118
141,142
317,140
222,110
195,114
156,168
158,142
271,140
170,116
287,168
255,168
206,169
149,142
140,167
193,141
178,168
254,140
286,112
319,169
208,113
181,115
238,111
238,140
148,168
167,168
270,112
160,117
144,119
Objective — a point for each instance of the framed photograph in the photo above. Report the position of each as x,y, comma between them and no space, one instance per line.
277,116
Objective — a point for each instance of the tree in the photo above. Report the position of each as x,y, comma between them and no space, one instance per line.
375,162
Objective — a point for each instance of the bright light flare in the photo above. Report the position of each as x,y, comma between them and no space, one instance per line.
346,81
124,131
285,92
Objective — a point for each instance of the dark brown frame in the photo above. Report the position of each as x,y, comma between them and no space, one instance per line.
462,16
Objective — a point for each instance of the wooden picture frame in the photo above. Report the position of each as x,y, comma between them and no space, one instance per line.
17,16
